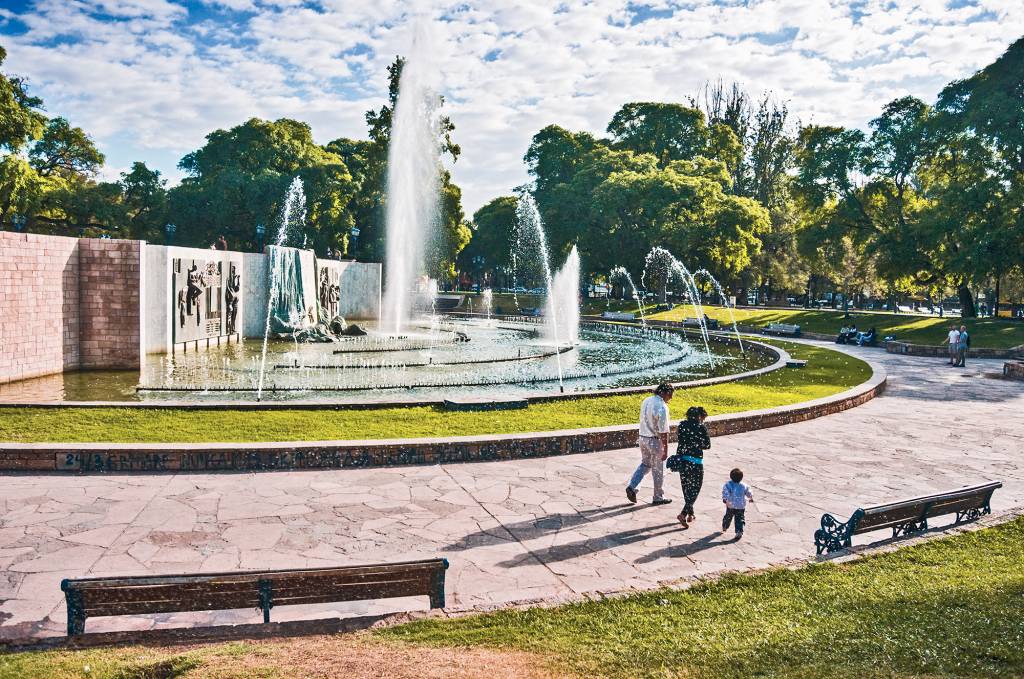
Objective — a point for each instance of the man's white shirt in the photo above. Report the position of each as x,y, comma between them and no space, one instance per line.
653,416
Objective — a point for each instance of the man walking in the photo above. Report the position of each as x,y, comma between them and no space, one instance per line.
653,443
962,344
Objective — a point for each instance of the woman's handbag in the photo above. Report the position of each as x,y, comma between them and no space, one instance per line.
674,462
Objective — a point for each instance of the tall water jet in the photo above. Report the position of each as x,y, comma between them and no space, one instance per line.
661,258
725,303
562,310
413,182
529,224
621,272
293,216
488,299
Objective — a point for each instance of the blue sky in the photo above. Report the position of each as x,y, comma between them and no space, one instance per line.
150,78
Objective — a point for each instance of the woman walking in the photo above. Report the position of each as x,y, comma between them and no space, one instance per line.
693,441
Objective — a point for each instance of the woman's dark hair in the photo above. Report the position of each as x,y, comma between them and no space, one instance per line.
664,388
695,413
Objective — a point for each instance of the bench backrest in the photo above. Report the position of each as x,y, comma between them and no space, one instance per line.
254,589
920,508
782,327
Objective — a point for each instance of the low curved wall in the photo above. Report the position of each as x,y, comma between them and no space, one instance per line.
170,457
942,351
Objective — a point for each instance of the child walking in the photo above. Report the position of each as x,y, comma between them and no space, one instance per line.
735,495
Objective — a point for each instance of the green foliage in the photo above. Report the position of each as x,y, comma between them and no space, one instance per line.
21,121
492,234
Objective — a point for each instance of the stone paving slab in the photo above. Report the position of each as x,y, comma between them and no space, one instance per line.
545,529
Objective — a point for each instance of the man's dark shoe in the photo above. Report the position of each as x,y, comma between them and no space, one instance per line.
662,501
630,494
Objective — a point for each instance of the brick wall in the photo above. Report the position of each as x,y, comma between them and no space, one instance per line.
39,323
109,293
67,303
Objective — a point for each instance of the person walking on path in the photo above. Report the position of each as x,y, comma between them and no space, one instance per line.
953,338
693,441
735,495
963,342
653,443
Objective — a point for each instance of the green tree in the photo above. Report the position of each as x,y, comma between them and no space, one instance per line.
21,120
493,233
144,198
239,179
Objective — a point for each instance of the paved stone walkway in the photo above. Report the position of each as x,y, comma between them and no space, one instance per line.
534,529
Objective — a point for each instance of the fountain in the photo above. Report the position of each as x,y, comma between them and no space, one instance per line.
487,297
528,222
661,258
562,309
413,181
621,271
725,303
293,211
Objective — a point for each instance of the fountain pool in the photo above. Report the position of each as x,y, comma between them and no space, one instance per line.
504,357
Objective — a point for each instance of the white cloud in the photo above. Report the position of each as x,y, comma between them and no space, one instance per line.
158,78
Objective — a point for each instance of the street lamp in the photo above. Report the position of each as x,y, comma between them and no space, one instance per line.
354,233
260,230
19,222
169,230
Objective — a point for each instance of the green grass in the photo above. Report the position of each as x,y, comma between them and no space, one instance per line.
953,607
985,332
828,372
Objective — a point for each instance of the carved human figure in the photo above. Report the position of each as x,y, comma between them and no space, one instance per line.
195,291
231,295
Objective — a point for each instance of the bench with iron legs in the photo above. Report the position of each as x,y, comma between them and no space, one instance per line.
709,323
782,329
92,597
905,517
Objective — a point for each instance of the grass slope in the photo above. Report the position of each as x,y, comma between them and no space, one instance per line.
828,372
951,607
985,332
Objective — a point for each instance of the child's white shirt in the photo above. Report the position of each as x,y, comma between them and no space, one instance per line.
736,495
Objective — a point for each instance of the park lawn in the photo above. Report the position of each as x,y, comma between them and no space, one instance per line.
828,372
985,332
951,607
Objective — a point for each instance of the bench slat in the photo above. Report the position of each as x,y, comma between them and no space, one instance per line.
253,589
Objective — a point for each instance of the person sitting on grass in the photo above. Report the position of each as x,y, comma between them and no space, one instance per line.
735,495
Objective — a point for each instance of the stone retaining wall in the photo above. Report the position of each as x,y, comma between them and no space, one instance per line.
100,457
942,351
1014,370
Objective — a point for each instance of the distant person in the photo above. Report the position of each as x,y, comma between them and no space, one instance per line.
953,339
867,337
654,418
843,332
735,495
221,243
693,441
963,343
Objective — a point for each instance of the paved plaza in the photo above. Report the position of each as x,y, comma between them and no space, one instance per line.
548,529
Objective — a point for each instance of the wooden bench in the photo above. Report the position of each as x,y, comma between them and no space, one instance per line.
92,597
785,329
906,516
711,323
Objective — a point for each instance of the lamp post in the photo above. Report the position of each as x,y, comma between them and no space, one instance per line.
353,240
169,230
19,222
260,230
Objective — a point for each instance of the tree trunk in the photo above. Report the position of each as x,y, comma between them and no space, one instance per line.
663,290
966,301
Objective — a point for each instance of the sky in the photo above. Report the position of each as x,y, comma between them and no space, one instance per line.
149,79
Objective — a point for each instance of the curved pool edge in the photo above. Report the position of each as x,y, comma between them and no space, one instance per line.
355,454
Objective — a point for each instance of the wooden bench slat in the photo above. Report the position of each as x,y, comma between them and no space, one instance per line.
252,589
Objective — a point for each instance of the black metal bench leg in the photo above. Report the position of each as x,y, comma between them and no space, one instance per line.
266,598
76,612
834,534
437,588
